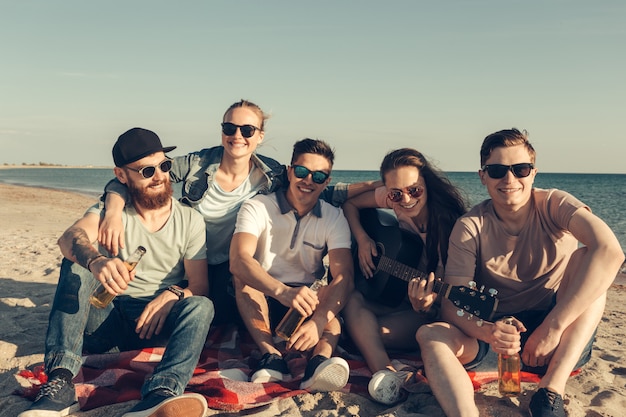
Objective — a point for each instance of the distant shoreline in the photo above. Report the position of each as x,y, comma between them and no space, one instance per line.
19,166
54,166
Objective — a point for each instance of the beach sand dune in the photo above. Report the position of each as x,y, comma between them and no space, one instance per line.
31,220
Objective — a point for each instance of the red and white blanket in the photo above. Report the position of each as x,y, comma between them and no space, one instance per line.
221,374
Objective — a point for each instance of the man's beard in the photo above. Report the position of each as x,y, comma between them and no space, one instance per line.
148,200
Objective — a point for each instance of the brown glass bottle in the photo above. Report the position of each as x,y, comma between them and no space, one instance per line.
509,373
292,319
101,298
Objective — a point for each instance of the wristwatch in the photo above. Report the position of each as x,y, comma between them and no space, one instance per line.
177,290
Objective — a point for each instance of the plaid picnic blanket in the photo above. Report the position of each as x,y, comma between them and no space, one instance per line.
221,374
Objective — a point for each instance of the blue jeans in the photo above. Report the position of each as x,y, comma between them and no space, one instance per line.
75,327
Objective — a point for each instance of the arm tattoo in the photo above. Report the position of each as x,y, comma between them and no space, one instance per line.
82,249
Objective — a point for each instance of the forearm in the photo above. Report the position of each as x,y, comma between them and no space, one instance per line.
197,273
351,212
249,272
590,280
114,204
116,189
333,301
357,188
76,246
334,297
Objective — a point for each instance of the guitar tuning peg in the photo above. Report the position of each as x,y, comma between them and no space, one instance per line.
493,292
460,313
472,284
482,288
479,323
470,316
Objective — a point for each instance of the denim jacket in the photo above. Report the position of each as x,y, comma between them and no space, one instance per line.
197,170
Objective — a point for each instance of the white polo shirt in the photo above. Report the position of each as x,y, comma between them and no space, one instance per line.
289,248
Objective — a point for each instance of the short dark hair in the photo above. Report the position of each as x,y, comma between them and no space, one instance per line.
505,138
314,146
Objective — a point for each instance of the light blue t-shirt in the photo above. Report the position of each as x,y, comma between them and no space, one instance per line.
182,237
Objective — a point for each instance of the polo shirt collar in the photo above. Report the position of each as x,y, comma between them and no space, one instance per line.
285,207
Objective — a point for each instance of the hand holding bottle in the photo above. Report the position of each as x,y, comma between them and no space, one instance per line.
107,291
509,366
293,319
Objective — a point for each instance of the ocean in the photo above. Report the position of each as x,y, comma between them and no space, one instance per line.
604,193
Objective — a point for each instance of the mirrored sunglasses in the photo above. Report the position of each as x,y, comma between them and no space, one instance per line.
395,195
497,171
149,170
318,177
247,131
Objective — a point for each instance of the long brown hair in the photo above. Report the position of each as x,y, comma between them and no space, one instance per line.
445,202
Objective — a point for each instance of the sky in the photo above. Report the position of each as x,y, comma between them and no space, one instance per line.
366,76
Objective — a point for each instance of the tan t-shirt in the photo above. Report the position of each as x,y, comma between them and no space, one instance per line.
525,269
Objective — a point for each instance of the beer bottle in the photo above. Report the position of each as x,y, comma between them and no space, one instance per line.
509,374
101,298
292,319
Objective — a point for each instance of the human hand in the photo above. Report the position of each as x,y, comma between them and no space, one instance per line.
367,252
112,274
421,293
302,299
505,338
152,319
111,233
306,337
540,346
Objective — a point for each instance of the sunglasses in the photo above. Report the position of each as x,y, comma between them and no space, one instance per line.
497,171
247,131
318,177
395,195
149,170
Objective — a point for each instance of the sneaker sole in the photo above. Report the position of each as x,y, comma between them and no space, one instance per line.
266,375
187,405
386,388
48,413
331,375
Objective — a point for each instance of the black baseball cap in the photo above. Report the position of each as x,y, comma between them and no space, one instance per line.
135,144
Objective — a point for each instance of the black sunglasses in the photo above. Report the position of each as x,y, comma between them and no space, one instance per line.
318,176
149,170
247,131
497,171
395,195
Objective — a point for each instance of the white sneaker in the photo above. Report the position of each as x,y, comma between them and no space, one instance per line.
329,375
188,405
386,386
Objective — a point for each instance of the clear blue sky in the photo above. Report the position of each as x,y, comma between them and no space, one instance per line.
367,76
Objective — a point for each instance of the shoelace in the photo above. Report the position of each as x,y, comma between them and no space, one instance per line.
553,397
50,388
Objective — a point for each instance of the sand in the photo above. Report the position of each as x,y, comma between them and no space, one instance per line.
31,220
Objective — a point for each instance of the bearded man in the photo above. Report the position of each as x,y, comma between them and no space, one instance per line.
162,302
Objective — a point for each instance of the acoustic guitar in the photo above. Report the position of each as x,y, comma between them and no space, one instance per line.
399,253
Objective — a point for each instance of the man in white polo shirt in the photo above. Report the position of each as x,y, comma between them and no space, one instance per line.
277,251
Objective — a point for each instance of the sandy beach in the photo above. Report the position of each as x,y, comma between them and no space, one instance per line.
31,220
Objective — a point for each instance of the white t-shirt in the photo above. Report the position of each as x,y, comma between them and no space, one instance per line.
219,209
289,248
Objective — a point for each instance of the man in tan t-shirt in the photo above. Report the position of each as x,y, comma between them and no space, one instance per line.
523,242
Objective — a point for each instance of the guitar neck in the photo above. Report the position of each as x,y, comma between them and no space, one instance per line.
406,273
